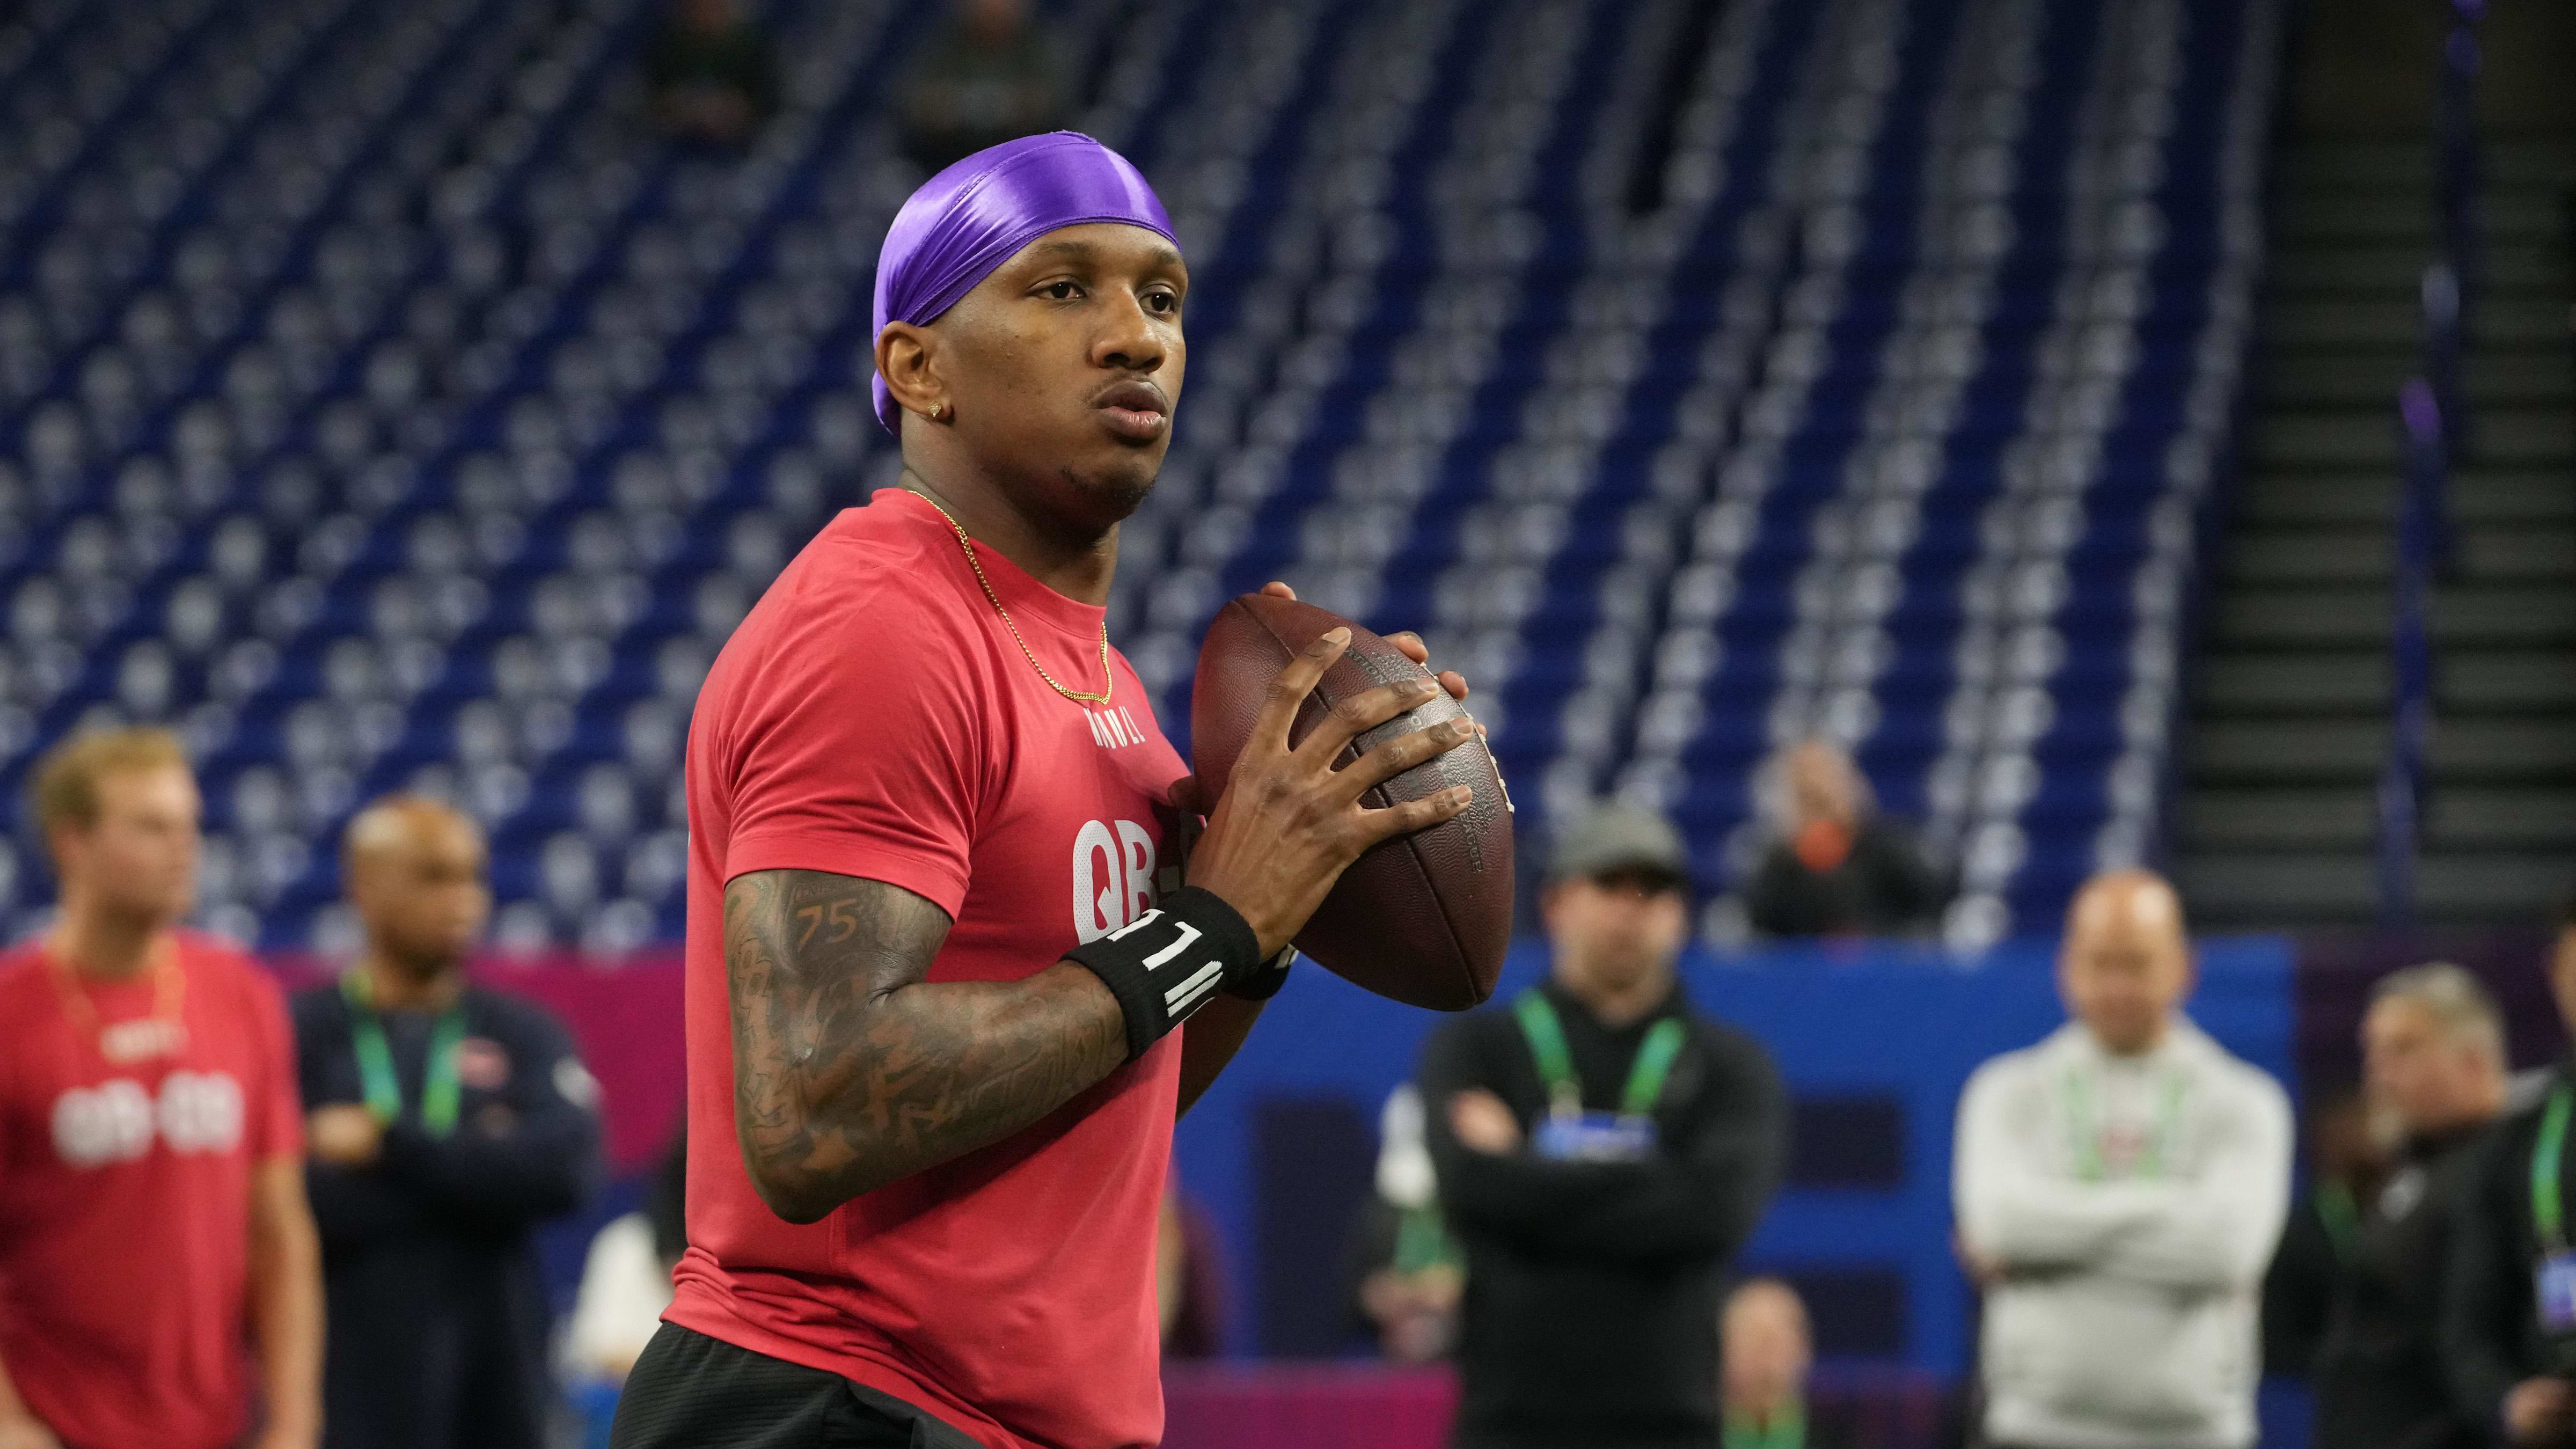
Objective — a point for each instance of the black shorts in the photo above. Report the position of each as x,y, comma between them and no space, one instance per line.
689,1391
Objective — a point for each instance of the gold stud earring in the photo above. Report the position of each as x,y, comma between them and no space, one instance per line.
936,409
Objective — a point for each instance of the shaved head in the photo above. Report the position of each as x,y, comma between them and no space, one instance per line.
413,869
386,828
2125,965
2131,899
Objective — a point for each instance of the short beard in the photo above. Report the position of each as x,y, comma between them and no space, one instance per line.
423,965
1109,499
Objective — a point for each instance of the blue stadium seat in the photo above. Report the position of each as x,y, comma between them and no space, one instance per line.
380,405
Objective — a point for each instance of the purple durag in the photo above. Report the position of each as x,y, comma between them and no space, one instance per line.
977,214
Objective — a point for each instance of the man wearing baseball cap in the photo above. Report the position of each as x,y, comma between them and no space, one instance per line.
1602,1152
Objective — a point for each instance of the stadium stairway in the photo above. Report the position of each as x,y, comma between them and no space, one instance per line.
2290,704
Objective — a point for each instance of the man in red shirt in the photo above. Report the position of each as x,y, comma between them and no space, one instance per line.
151,1174
940,928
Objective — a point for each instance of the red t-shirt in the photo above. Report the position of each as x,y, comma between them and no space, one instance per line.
873,717
125,1168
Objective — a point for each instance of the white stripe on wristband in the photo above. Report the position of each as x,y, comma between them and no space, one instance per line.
1207,979
1168,962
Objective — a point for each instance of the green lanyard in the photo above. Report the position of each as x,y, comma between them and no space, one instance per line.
1422,1241
2340,1217
2548,1215
1556,1065
2089,1163
1787,1429
439,1090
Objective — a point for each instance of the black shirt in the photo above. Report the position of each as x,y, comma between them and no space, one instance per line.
1591,1306
2379,1379
1883,886
2299,1288
2491,1335
437,1318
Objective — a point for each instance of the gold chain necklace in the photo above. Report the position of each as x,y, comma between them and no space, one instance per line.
1109,681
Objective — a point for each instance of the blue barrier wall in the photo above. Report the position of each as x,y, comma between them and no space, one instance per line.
1868,1022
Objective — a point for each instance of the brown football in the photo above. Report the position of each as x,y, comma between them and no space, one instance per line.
1424,918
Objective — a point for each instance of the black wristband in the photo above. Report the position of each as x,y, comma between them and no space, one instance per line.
1166,963
1264,984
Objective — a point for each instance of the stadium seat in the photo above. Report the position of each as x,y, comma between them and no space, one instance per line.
383,405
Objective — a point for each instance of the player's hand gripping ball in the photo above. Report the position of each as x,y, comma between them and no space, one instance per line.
1423,918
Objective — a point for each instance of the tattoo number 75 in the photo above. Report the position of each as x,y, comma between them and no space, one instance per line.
842,913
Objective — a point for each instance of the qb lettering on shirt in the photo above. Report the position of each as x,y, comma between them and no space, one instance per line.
1113,876
115,1120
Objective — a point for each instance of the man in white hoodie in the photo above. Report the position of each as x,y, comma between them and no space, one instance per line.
2120,1187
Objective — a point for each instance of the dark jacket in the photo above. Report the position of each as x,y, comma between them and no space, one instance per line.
437,1317
1590,1315
2299,1288
2490,1324
2379,1378
1884,886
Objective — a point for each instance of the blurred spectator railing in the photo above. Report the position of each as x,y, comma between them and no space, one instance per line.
2401,779
2434,423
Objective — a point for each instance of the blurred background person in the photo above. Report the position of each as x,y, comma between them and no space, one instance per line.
989,76
1407,1271
2120,1187
2508,1319
626,1277
2433,1048
446,1122
151,1189
710,74
1767,1350
1189,1278
2347,1161
625,1285
1834,865
387,397
1602,1151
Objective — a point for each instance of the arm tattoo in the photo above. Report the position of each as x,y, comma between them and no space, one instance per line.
851,1071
